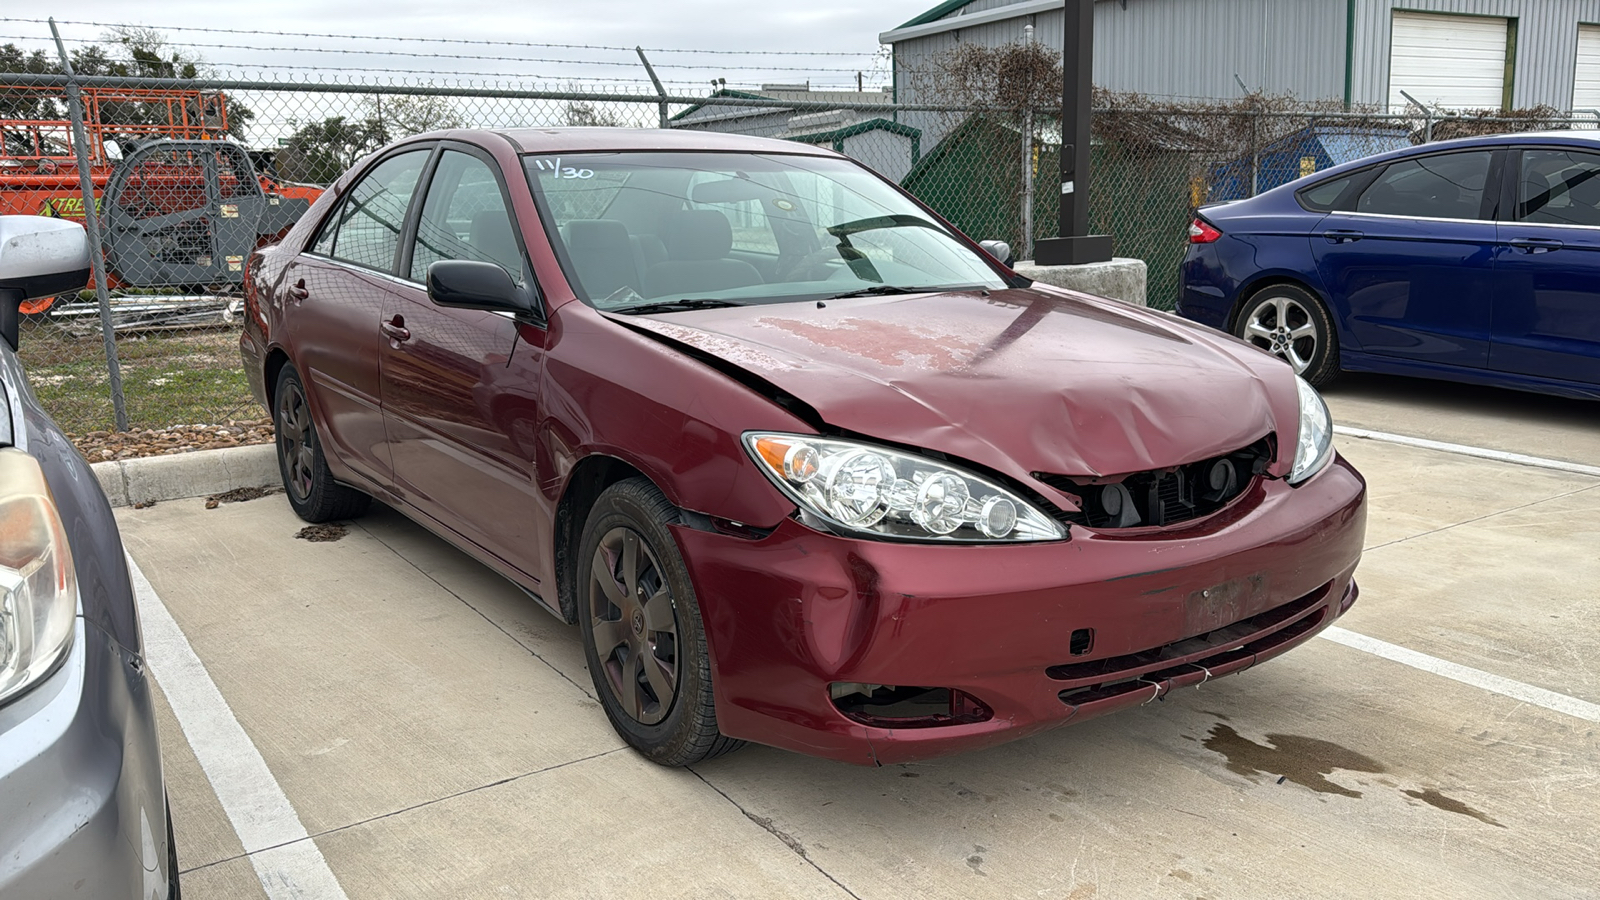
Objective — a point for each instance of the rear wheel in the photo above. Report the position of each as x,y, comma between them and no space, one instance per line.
1286,321
313,493
642,633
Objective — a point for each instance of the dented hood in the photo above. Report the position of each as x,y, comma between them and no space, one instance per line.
1023,380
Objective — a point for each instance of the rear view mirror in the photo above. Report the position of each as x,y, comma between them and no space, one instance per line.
729,190
39,257
999,250
468,284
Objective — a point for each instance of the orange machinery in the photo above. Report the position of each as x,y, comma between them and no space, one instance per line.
180,204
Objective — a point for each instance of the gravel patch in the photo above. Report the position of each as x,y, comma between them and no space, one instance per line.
99,446
240,495
331,531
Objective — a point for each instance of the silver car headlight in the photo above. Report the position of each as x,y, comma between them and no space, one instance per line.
38,586
873,491
1315,445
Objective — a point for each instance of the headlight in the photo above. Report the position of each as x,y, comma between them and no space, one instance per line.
38,588
1315,446
872,490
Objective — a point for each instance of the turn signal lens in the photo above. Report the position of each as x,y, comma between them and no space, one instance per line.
38,586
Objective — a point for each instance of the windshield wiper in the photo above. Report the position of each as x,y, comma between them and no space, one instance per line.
884,290
677,305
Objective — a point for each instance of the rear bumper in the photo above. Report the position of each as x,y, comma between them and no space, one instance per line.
790,614
82,808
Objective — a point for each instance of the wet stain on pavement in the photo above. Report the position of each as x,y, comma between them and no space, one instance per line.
1302,760
1449,804
975,861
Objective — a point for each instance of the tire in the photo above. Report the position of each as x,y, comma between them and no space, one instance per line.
1290,323
638,614
174,892
313,493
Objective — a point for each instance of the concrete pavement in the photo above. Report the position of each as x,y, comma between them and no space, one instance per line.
436,732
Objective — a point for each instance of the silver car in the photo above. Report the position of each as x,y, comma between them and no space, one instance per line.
83,810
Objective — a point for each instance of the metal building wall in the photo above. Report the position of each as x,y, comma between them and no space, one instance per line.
1176,48
1192,48
1547,41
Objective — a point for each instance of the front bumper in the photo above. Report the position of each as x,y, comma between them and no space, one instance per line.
82,808
792,613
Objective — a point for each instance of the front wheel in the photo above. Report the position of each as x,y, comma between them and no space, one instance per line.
642,633
313,493
1291,324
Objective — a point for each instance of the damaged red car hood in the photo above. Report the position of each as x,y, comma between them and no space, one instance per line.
1023,380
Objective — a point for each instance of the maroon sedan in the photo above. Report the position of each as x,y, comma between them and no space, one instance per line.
805,465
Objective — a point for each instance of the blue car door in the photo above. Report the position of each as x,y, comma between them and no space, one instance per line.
1407,265
1547,268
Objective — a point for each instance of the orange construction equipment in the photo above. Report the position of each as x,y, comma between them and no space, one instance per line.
185,205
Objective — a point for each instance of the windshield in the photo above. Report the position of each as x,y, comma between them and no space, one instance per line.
656,231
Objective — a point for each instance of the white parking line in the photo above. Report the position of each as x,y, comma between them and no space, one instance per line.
1505,687
1560,465
255,804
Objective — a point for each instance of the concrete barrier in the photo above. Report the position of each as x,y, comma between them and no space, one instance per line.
1120,279
148,479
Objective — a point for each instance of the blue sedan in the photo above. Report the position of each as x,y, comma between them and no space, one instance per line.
1474,260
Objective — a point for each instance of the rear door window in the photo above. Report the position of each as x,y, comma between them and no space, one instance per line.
1559,187
1446,186
366,229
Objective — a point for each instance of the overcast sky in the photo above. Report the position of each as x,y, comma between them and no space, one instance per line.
752,32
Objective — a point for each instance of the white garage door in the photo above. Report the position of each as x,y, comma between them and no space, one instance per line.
1586,80
1450,61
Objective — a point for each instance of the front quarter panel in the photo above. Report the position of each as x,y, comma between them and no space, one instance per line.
612,391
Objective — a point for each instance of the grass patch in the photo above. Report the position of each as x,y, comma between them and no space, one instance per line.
168,379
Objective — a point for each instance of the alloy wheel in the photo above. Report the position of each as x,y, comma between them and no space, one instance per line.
1283,327
295,436
635,625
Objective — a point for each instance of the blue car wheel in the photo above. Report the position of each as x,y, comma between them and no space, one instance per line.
1288,322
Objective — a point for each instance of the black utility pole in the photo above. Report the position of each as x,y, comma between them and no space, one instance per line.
1076,245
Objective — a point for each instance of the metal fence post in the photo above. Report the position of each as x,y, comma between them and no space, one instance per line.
661,91
1025,251
1427,117
1255,152
91,222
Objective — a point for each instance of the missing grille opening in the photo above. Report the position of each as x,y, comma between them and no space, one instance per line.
891,706
1163,496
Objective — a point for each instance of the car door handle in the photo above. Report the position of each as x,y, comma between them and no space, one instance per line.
396,329
298,292
1342,235
1536,245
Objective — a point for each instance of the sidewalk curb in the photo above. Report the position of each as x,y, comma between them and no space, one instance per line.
148,479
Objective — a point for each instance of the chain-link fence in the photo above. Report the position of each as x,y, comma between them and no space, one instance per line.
188,175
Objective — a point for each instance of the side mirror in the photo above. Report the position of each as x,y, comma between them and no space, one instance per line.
467,284
999,250
39,257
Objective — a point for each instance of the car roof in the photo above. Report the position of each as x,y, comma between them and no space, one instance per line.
1589,138
598,139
